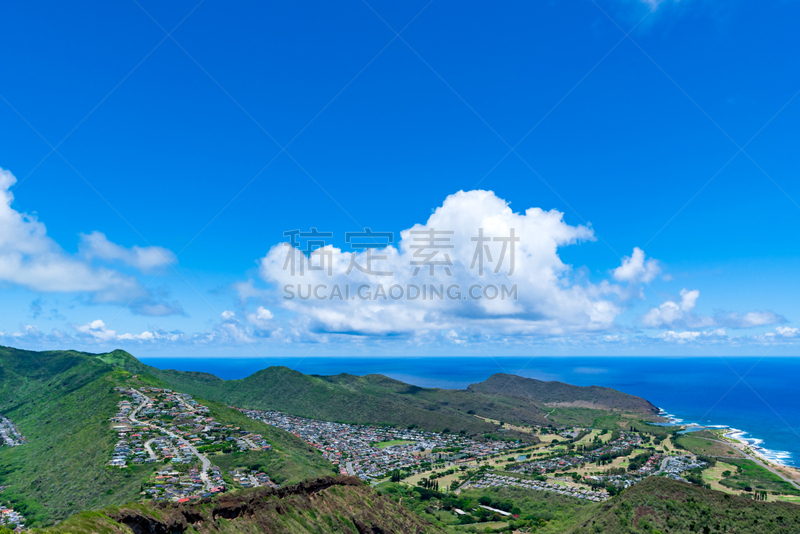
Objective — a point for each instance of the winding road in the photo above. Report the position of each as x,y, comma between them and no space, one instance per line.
149,449
204,461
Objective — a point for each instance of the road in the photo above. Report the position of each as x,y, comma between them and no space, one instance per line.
350,470
148,447
185,404
204,461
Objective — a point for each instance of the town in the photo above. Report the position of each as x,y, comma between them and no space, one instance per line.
372,452
160,425
179,437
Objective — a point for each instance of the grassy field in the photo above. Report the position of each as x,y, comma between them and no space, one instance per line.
785,498
700,445
384,444
588,438
714,476
750,474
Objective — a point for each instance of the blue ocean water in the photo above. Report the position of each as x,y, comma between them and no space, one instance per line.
763,405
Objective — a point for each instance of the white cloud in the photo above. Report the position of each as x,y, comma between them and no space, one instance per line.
146,259
227,315
672,314
263,314
689,299
31,259
548,303
635,269
261,318
785,331
690,336
749,320
97,329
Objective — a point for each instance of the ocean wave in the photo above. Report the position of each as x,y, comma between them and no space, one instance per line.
774,456
756,444
671,419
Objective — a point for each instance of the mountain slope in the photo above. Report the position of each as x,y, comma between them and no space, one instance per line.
61,401
561,394
379,399
660,504
340,504
353,399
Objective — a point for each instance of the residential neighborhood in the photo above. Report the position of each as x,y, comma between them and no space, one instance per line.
252,478
156,425
9,434
11,519
371,452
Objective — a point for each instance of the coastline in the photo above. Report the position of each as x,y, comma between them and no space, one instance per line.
749,446
740,437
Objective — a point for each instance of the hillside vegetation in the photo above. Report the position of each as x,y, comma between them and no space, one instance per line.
662,505
377,399
340,504
62,401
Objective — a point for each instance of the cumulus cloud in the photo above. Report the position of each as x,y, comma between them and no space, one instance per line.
782,333
635,269
98,331
548,301
31,259
145,259
261,319
786,331
672,314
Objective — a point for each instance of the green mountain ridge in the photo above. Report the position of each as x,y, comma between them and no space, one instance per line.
61,401
377,399
344,504
340,504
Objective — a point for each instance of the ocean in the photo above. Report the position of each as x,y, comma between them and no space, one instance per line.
763,406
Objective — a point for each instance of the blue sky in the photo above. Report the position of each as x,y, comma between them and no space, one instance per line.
672,151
